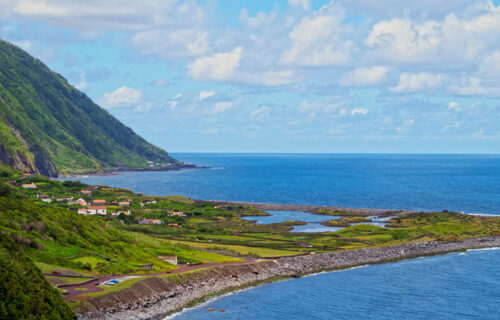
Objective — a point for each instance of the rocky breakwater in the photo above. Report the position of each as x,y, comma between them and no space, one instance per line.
155,298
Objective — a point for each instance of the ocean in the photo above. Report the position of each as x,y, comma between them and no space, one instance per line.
462,183
454,286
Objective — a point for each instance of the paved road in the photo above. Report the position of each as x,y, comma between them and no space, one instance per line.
74,294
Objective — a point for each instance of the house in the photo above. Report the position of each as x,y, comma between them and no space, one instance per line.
80,201
173,224
29,186
45,198
86,192
124,204
145,203
27,175
169,259
93,210
149,221
176,213
60,199
117,213
99,201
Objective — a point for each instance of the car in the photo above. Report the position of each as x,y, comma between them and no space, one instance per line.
56,272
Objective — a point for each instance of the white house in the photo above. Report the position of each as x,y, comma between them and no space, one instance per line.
93,210
29,186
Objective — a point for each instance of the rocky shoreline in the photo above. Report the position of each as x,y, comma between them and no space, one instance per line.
156,298
314,209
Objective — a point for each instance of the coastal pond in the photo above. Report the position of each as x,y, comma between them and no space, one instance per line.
313,220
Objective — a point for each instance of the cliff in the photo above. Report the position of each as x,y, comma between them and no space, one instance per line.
49,127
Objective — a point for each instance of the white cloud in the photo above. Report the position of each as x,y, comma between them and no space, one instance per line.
261,111
360,111
267,78
450,41
218,67
259,20
473,86
303,4
316,41
222,106
204,94
121,97
415,82
453,106
168,44
361,77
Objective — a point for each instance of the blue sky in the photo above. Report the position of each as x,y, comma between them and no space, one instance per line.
279,76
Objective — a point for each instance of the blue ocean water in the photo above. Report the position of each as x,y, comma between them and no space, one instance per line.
313,220
469,183
454,287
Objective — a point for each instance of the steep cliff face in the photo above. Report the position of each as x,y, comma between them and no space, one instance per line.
49,127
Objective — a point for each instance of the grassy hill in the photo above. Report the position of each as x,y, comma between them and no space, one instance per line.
49,127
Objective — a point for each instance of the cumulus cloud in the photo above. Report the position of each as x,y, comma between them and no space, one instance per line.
121,97
450,41
218,67
302,4
473,86
360,111
454,106
361,77
205,94
317,41
258,20
415,82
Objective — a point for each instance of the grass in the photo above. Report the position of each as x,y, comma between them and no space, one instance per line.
243,250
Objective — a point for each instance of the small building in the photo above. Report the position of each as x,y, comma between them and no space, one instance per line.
169,259
27,175
29,186
173,224
88,192
80,201
149,221
176,213
99,201
46,200
117,213
93,210
60,199
124,204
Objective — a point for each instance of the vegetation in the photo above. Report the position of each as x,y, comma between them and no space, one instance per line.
24,292
42,115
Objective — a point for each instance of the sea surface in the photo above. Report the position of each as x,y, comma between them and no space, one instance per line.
313,220
455,286
468,183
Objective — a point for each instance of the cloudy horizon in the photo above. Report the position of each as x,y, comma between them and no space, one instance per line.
279,76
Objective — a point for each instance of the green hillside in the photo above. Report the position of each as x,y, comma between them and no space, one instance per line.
49,127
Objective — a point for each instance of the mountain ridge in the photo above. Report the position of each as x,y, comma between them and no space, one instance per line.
49,127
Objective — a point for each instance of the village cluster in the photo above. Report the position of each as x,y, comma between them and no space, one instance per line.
102,207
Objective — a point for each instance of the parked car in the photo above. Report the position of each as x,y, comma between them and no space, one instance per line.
56,272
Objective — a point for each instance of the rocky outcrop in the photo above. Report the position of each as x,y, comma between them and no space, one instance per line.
154,298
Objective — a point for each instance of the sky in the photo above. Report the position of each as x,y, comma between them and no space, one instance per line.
314,76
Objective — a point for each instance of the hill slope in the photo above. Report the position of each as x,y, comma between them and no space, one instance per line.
49,127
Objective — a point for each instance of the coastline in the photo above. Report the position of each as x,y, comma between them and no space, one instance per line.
314,209
112,172
157,298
